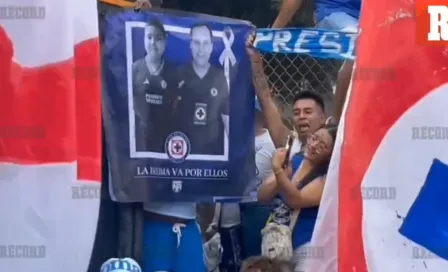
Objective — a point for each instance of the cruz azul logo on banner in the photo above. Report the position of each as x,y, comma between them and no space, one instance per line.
432,22
177,146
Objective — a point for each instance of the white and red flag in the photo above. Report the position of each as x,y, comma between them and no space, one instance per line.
50,133
384,208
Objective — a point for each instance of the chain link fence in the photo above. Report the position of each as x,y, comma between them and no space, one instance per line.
289,74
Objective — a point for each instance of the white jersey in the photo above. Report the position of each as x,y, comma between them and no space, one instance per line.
295,147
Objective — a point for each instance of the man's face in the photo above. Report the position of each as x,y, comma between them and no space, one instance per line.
155,42
201,45
308,117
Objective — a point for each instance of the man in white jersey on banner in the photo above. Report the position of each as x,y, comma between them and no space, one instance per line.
240,229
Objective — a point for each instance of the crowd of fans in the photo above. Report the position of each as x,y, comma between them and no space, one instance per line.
272,233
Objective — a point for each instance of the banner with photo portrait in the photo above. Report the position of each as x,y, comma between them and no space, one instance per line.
178,106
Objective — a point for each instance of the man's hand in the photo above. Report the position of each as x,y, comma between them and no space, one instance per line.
279,159
259,78
142,4
254,55
287,11
210,231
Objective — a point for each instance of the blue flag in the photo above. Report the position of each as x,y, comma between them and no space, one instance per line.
315,42
177,106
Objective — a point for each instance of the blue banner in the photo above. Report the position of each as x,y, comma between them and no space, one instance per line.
311,41
178,106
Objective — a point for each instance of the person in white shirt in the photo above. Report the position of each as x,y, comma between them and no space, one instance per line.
242,240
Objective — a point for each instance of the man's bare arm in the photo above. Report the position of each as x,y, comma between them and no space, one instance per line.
142,4
274,122
342,85
287,11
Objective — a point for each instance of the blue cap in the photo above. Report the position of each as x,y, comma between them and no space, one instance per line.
257,105
120,265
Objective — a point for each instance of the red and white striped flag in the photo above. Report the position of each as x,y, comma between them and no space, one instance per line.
50,134
394,126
